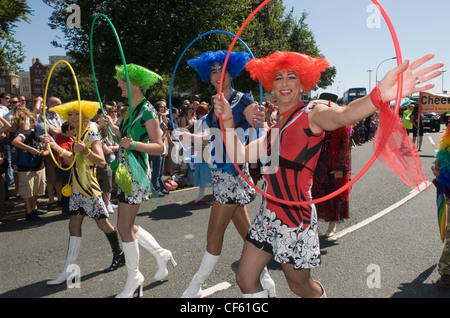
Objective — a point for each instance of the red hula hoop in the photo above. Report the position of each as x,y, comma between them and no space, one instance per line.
374,157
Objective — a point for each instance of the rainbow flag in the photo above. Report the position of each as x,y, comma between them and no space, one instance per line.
441,213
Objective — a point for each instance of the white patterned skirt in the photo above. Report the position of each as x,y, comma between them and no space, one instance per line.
93,207
232,189
296,246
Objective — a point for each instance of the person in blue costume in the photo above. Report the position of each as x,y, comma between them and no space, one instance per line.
231,192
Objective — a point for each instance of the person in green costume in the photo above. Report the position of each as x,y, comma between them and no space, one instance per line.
139,135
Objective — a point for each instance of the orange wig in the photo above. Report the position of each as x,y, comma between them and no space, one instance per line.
308,68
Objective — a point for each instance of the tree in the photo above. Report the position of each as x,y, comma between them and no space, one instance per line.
11,50
155,33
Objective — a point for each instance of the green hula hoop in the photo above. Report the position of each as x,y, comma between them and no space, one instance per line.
125,68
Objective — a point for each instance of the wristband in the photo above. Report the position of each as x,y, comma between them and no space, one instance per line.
133,145
228,119
61,154
375,96
86,151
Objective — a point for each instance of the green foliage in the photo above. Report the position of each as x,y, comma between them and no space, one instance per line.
11,50
155,33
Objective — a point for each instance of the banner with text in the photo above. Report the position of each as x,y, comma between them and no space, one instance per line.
434,103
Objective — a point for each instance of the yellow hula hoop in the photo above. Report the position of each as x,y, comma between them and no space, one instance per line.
79,112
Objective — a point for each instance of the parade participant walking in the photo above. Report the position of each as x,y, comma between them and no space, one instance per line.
333,171
441,171
289,233
85,194
139,136
231,192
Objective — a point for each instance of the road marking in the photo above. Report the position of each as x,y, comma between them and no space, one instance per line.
431,140
367,221
214,289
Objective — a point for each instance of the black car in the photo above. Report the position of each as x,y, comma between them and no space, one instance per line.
432,121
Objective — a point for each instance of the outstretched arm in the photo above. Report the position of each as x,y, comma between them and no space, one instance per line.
331,118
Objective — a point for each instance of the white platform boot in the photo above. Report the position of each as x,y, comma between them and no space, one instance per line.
267,283
73,251
163,256
135,279
194,289
261,294
324,294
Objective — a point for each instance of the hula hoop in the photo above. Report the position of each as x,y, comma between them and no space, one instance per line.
261,91
374,157
125,68
79,112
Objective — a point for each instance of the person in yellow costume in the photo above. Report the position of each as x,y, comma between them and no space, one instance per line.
83,188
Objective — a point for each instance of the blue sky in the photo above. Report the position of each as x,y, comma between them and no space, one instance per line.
341,32
37,35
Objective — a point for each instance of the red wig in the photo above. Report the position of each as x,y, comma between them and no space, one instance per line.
308,68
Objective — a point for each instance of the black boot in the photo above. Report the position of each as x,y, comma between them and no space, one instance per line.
118,256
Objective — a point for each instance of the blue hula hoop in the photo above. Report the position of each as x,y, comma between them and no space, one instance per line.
173,78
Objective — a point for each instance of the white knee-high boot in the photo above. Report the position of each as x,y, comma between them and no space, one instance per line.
73,251
324,294
194,289
162,255
267,283
261,294
135,279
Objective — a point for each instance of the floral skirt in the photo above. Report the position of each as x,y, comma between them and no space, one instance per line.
93,207
232,189
296,246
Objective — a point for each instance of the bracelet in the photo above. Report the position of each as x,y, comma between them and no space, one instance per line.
61,154
376,99
133,145
86,151
228,119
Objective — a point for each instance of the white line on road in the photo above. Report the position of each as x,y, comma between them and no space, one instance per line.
355,227
431,140
214,289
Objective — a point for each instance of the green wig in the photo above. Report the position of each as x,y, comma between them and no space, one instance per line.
138,75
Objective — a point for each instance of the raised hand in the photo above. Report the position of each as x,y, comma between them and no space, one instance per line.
412,78
259,116
222,107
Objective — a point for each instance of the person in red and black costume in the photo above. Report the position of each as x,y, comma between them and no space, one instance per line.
288,233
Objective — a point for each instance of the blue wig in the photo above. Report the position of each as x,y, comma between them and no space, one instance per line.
203,63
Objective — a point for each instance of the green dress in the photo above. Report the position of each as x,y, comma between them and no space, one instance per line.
143,112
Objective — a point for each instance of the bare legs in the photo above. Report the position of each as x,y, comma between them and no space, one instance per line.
252,263
219,219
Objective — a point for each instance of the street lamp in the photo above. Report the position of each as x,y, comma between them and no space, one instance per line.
370,78
376,73
443,71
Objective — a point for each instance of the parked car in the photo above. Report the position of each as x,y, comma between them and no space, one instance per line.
432,121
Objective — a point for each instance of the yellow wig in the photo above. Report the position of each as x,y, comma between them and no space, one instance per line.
88,109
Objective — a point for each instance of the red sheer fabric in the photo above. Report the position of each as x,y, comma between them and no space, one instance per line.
396,150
